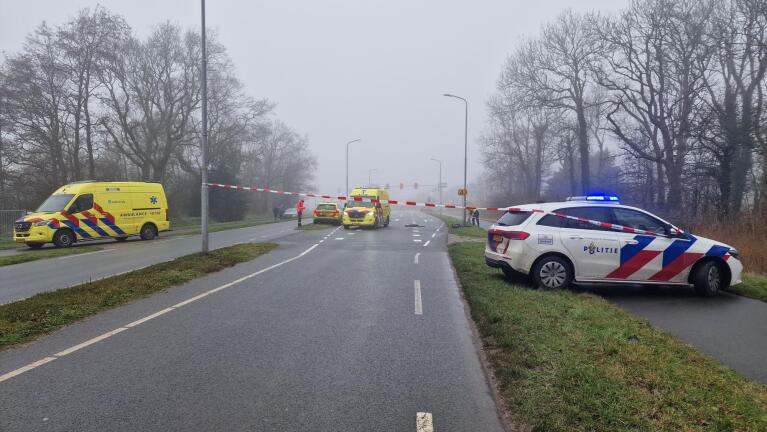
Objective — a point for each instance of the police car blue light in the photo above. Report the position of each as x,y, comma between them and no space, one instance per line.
596,198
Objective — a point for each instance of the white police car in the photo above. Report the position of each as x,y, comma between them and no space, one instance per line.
595,239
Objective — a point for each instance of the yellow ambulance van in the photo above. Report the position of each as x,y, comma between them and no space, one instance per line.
365,213
90,210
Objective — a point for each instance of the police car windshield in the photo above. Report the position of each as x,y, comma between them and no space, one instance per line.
55,203
352,203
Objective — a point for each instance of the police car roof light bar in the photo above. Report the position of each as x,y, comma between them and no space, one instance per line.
597,198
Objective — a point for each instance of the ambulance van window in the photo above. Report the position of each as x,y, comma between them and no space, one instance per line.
82,203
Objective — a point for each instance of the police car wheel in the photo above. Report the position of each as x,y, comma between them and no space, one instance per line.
148,232
552,273
708,279
63,238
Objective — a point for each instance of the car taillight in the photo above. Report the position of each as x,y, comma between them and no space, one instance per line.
511,235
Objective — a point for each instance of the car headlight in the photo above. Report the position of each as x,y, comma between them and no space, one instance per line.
43,223
735,254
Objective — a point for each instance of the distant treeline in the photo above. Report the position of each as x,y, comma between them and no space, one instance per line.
676,86
91,100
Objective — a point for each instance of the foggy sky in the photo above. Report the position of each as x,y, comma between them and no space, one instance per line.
340,70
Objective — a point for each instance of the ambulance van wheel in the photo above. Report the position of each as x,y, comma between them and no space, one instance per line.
148,232
552,273
64,238
708,278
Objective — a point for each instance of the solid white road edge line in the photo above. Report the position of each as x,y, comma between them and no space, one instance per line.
418,305
87,253
424,422
109,334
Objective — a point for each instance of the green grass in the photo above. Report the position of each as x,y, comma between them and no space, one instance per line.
313,226
34,255
27,319
573,362
7,243
753,285
468,231
192,225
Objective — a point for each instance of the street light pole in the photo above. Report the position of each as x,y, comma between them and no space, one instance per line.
439,185
204,144
347,164
465,149
370,176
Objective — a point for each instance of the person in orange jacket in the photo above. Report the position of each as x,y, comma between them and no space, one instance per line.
300,210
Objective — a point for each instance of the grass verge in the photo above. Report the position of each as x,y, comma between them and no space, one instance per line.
26,256
574,362
7,243
192,225
753,285
27,319
469,231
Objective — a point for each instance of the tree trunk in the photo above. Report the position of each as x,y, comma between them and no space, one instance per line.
583,148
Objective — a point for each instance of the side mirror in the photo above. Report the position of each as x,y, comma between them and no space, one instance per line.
673,231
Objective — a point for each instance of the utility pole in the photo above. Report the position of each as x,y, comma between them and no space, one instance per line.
347,164
465,150
439,185
370,176
204,144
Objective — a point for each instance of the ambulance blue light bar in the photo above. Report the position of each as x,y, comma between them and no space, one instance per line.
596,198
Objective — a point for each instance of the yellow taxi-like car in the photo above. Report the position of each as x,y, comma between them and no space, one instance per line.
327,212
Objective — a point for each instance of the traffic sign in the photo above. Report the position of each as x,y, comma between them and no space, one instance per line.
463,192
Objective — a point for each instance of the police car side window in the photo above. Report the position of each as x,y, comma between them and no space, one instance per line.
639,220
551,221
600,214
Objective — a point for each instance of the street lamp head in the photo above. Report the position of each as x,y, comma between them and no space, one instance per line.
354,141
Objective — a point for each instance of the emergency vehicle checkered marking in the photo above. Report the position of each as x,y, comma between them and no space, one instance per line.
432,205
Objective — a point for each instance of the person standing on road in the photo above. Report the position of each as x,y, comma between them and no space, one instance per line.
299,210
276,212
475,218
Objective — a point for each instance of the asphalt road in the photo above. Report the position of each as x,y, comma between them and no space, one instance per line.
24,280
364,331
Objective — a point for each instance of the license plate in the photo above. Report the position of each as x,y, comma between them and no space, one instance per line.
498,238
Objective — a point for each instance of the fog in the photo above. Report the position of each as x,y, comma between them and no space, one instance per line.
342,70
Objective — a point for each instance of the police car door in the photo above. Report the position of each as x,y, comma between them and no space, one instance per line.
594,249
644,257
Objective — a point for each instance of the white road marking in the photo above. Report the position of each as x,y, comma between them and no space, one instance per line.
339,238
109,334
416,257
424,422
433,235
416,235
417,240
83,254
427,243
418,305
26,368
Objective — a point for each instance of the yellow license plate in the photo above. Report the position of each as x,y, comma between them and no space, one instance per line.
498,238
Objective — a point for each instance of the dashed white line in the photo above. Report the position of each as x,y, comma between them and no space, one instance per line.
416,257
418,305
417,240
339,238
424,422
427,243
433,235
416,235
111,333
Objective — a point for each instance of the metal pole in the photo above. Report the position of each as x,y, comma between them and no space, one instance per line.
370,176
465,150
204,145
439,185
347,165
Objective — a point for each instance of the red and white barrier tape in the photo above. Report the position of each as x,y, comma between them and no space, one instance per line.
600,224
